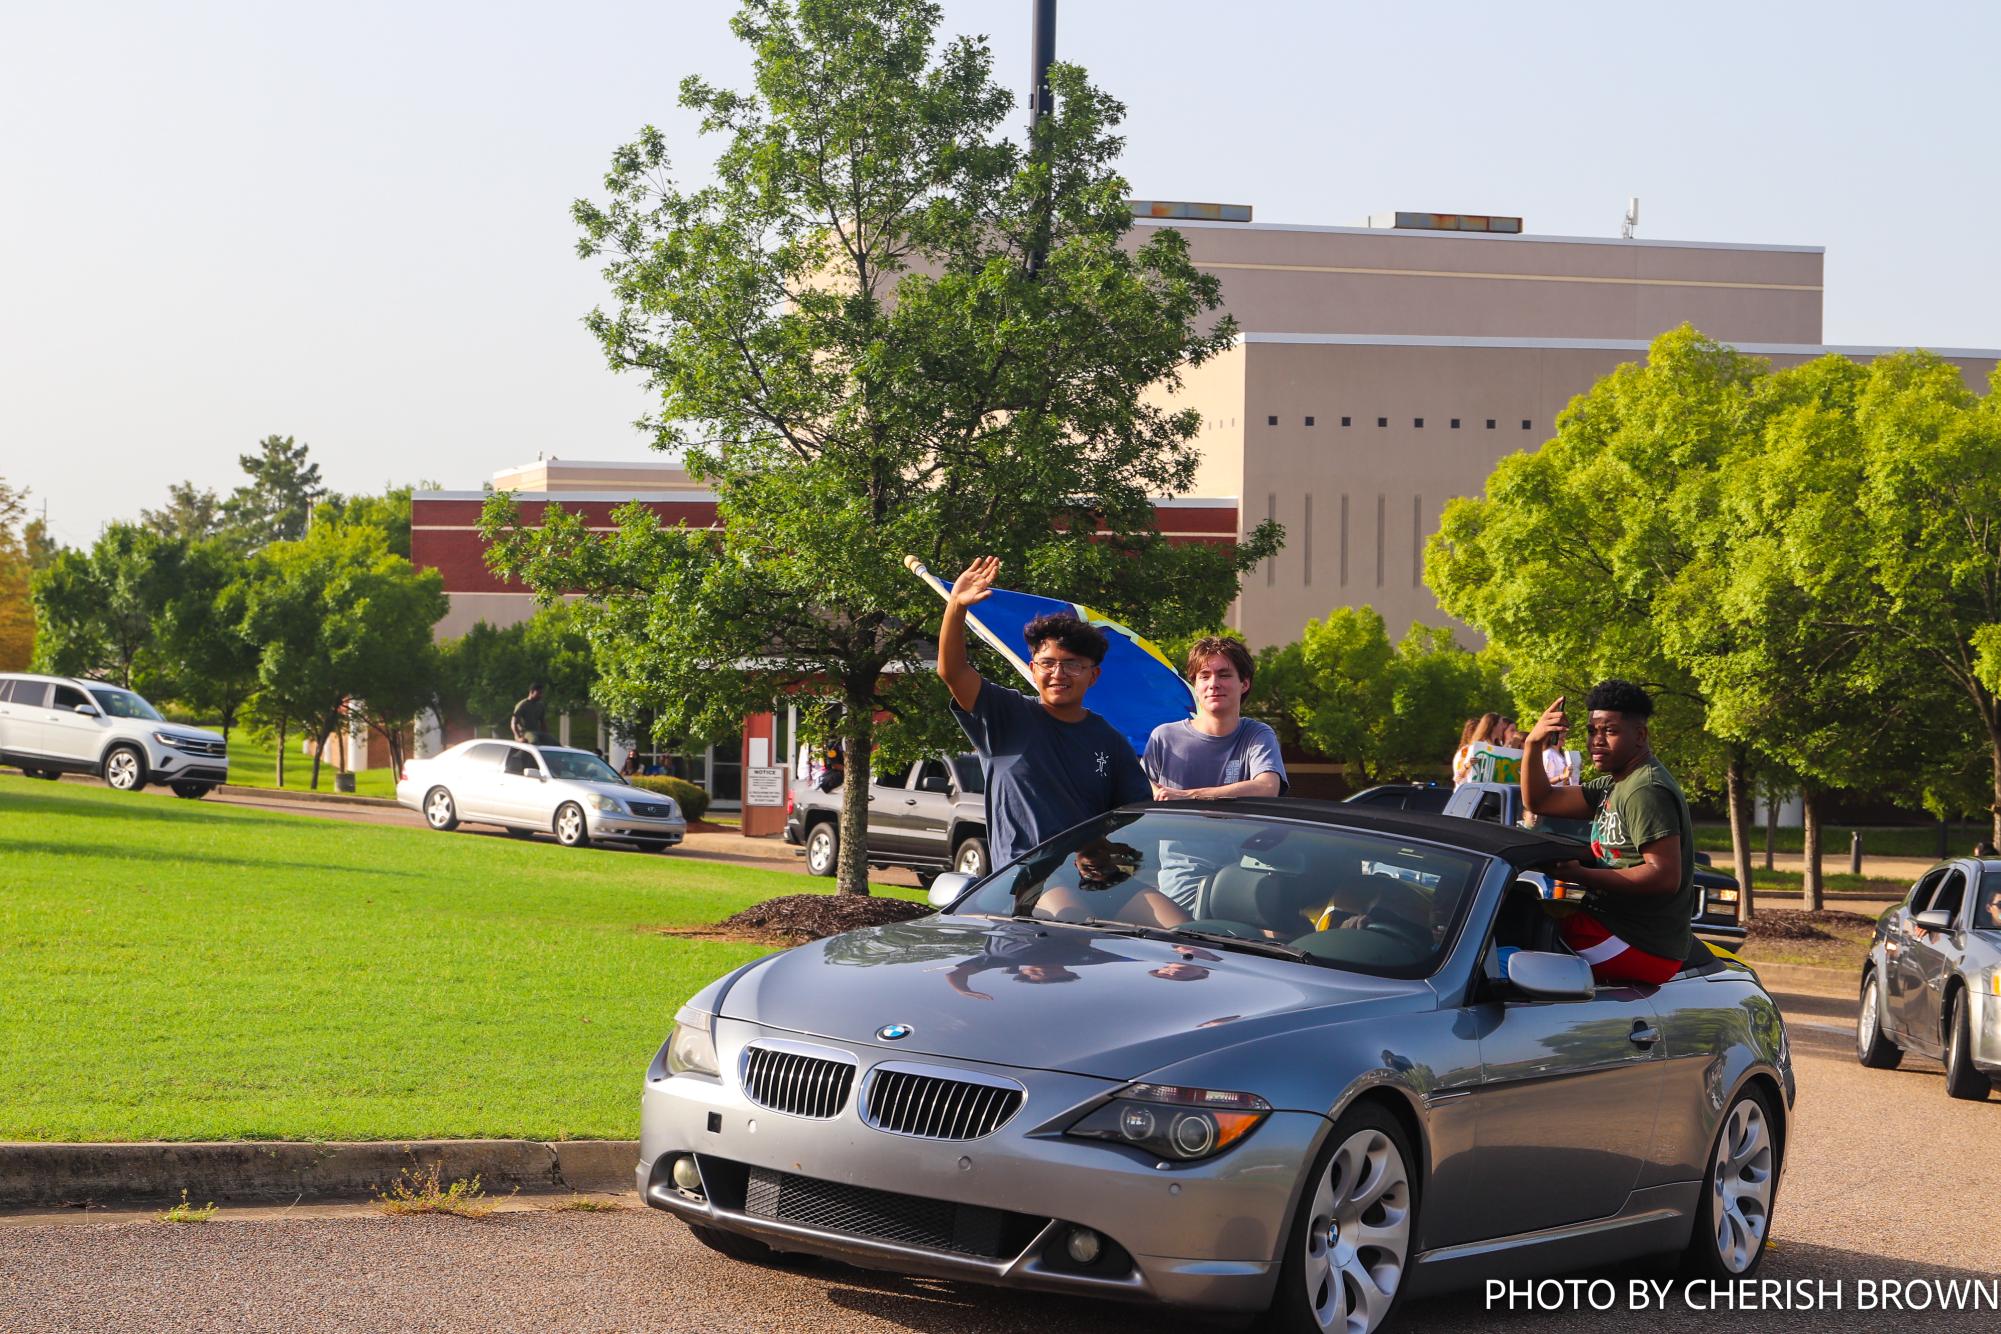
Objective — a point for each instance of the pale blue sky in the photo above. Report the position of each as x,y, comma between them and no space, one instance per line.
349,223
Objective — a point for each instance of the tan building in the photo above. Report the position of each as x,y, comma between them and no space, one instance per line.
1383,371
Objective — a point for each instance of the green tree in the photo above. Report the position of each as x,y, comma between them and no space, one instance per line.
17,609
274,505
335,615
191,513
98,610
389,511
1435,685
206,660
1563,559
1345,691
486,670
850,341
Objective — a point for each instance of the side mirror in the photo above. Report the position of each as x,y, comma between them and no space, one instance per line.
1551,976
947,888
942,786
87,710
1934,919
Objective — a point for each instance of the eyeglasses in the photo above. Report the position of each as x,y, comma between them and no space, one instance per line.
1068,667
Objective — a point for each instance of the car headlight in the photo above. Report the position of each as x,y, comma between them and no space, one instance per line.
691,1050
604,803
1723,895
1173,1122
169,739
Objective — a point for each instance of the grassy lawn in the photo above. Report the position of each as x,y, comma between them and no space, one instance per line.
1881,841
180,970
253,762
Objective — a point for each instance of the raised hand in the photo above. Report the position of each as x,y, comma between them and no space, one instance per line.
1551,724
976,582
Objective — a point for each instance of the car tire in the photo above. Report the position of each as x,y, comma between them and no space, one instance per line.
747,1249
1733,1220
1872,1048
573,827
440,811
823,849
192,791
124,769
50,774
1963,1079
1349,1250
970,858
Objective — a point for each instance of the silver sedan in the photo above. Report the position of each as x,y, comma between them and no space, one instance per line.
538,789
1932,983
1288,1057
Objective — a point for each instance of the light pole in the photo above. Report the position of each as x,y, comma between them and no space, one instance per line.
1041,56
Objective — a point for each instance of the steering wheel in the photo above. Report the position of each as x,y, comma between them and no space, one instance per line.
1223,926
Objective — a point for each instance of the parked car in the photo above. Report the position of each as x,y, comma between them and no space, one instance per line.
52,725
1718,912
1428,798
538,789
1367,1069
930,817
1932,982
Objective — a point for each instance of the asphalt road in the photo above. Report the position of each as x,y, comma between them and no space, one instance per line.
1888,1180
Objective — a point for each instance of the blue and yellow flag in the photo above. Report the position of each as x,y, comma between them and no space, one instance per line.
1138,689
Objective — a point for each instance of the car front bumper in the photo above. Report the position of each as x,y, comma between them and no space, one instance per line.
167,765
1200,1234
623,826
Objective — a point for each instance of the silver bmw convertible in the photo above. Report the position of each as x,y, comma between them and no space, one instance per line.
1277,1056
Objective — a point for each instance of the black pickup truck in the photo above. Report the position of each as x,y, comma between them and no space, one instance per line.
930,817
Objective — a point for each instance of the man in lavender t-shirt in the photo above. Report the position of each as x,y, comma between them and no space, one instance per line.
1217,753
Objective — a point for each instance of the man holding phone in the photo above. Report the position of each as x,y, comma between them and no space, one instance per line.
1642,880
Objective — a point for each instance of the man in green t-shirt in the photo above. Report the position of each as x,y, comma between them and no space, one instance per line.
1642,879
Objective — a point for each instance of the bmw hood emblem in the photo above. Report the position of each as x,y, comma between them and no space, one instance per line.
894,1032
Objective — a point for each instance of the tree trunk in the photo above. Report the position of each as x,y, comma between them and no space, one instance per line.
1738,792
1771,825
281,752
1994,809
857,739
1810,879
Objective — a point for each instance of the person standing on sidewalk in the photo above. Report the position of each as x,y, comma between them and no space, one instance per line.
1642,883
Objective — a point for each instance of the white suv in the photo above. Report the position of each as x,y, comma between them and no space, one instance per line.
55,724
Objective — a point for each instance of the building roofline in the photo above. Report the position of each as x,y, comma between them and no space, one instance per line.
1497,237
709,497
1600,344
663,464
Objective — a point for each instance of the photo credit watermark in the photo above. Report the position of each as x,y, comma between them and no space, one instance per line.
1749,1294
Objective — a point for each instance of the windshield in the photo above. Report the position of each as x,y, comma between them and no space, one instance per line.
580,765
1350,898
118,703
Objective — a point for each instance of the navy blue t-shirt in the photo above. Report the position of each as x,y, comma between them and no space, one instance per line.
1043,774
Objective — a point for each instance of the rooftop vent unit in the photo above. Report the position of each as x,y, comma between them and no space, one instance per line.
1185,211
1447,222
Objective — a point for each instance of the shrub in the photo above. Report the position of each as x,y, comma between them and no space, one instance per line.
693,801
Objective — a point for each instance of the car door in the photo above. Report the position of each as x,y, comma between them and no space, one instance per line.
67,734
927,811
1929,959
1899,977
1568,1095
889,813
522,793
21,716
474,780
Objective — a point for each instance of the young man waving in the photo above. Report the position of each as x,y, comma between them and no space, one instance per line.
1642,883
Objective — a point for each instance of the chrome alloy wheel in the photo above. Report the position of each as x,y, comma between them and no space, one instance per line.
121,771
1866,1022
1358,1238
438,810
570,827
1740,1185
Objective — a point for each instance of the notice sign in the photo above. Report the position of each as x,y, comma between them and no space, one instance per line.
764,787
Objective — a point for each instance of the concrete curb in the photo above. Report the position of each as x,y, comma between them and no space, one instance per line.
271,793
1845,983
43,1175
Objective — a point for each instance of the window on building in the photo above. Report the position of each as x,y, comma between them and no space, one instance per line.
1455,423
1271,421
1306,541
1416,541
1347,421
1309,421
1525,423
1271,516
1490,423
1417,422
1382,524
1382,421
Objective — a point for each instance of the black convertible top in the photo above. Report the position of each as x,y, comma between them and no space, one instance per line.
1522,848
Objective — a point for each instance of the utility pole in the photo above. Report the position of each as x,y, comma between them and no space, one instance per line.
1041,57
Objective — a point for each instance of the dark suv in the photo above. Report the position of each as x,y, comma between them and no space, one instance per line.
931,817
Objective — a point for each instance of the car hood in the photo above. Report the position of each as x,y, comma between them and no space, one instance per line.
580,787
1045,996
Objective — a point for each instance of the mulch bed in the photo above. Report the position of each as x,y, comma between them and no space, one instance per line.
800,917
1798,924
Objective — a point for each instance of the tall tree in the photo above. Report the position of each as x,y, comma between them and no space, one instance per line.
334,615
98,611
389,511
17,609
848,339
274,505
206,660
191,513
486,670
1561,561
